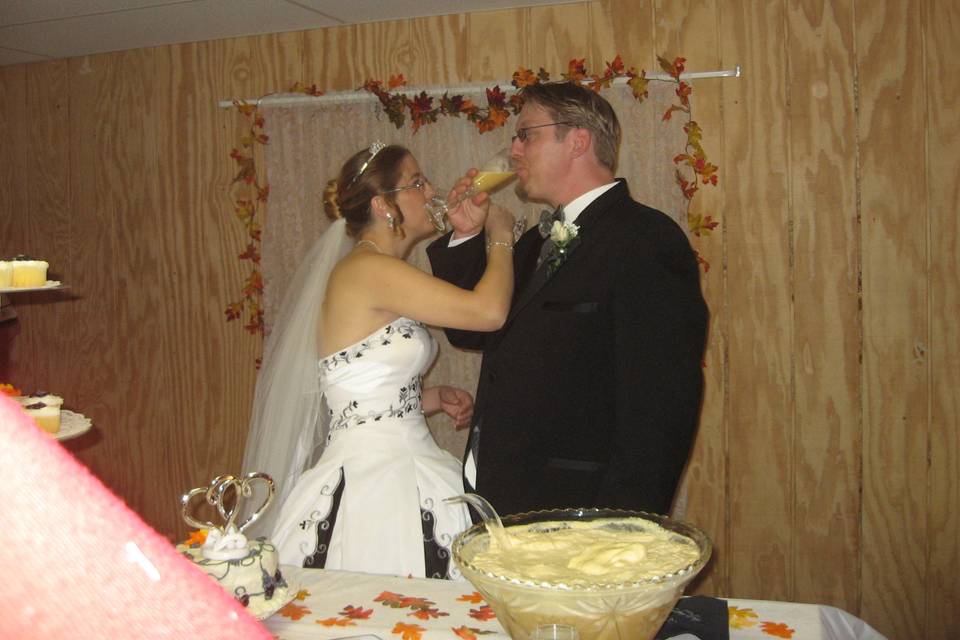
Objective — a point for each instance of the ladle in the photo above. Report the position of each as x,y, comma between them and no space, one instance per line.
490,518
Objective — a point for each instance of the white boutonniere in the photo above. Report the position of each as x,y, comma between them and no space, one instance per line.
564,237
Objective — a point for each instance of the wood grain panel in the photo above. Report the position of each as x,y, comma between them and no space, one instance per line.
895,315
15,349
496,44
628,24
212,361
349,56
437,51
557,34
826,339
760,441
689,29
47,317
941,52
139,222
97,354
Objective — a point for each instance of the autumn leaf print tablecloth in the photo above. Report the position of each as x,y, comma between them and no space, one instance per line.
338,604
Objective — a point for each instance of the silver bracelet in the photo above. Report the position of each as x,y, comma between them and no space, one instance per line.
499,243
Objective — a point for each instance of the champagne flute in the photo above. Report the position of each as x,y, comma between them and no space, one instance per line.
494,173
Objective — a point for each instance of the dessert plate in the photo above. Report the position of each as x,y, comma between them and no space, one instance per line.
51,284
72,425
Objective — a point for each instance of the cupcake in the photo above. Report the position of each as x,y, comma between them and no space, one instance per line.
48,417
28,273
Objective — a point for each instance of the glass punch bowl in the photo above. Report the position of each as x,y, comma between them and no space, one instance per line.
599,611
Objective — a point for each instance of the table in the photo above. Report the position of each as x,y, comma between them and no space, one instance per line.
339,604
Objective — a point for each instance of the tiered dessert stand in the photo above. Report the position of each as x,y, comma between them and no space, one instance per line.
72,424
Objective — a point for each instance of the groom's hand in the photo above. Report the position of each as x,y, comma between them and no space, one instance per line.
458,404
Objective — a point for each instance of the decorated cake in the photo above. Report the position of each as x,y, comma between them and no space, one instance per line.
248,569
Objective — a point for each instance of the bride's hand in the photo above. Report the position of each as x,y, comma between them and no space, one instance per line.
468,217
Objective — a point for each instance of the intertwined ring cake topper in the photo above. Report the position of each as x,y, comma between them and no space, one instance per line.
218,494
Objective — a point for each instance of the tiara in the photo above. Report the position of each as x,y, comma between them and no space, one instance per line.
375,148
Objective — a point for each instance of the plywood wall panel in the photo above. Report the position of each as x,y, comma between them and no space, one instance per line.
688,29
826,319
760,441
942,76
14,235
496,41
558,34
895,315
630,27
17,349
98,353
202,241
438,54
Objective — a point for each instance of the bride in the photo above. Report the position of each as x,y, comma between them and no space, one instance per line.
338,417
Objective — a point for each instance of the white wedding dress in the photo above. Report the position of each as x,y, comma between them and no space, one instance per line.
374,500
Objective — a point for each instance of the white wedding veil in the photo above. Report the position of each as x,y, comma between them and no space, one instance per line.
287,431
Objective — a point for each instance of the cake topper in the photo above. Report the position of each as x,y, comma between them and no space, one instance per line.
227,542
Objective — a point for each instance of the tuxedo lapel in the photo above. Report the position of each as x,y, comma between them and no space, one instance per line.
584,222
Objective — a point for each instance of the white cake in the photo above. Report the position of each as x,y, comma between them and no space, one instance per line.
247,569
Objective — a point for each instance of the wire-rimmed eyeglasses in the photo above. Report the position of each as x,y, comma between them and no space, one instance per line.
419,183
521,133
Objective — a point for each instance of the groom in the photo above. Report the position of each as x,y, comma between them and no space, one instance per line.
589,395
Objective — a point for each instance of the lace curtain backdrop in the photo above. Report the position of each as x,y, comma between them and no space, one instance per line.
309,143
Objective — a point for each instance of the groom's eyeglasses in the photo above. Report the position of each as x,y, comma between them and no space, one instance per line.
521,133
419,183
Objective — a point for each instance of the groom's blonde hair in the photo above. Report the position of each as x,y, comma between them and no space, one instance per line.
585,109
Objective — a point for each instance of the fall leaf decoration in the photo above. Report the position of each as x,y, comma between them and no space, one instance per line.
482,614
472,598
9,390
777,630
249,194
196,538
470,633
692,166
421,608
408,631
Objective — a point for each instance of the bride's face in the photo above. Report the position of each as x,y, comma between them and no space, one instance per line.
414,191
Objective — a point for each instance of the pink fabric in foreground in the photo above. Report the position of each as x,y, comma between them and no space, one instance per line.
80,564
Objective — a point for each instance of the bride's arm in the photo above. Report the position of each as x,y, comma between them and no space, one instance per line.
405,290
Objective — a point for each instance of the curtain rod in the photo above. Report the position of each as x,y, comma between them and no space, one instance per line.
355,96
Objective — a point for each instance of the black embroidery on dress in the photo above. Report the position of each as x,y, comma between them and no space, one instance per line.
325,529
436,558
408,400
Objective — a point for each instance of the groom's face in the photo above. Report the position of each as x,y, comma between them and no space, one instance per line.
540,158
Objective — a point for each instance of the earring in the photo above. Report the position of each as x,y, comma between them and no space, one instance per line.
391,222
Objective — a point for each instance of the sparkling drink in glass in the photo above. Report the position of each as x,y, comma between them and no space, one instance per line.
494,173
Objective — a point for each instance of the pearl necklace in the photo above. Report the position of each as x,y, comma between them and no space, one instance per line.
371,243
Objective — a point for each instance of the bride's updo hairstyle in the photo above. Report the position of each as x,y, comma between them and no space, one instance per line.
350,194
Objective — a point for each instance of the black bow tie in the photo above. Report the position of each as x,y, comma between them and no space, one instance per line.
547,218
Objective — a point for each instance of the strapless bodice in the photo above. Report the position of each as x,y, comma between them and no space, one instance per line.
379,377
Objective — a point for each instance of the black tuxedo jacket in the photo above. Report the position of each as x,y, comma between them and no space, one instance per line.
589,395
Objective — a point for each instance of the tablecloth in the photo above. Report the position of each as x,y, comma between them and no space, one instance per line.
330,605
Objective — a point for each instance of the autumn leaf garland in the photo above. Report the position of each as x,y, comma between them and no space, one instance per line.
692,166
